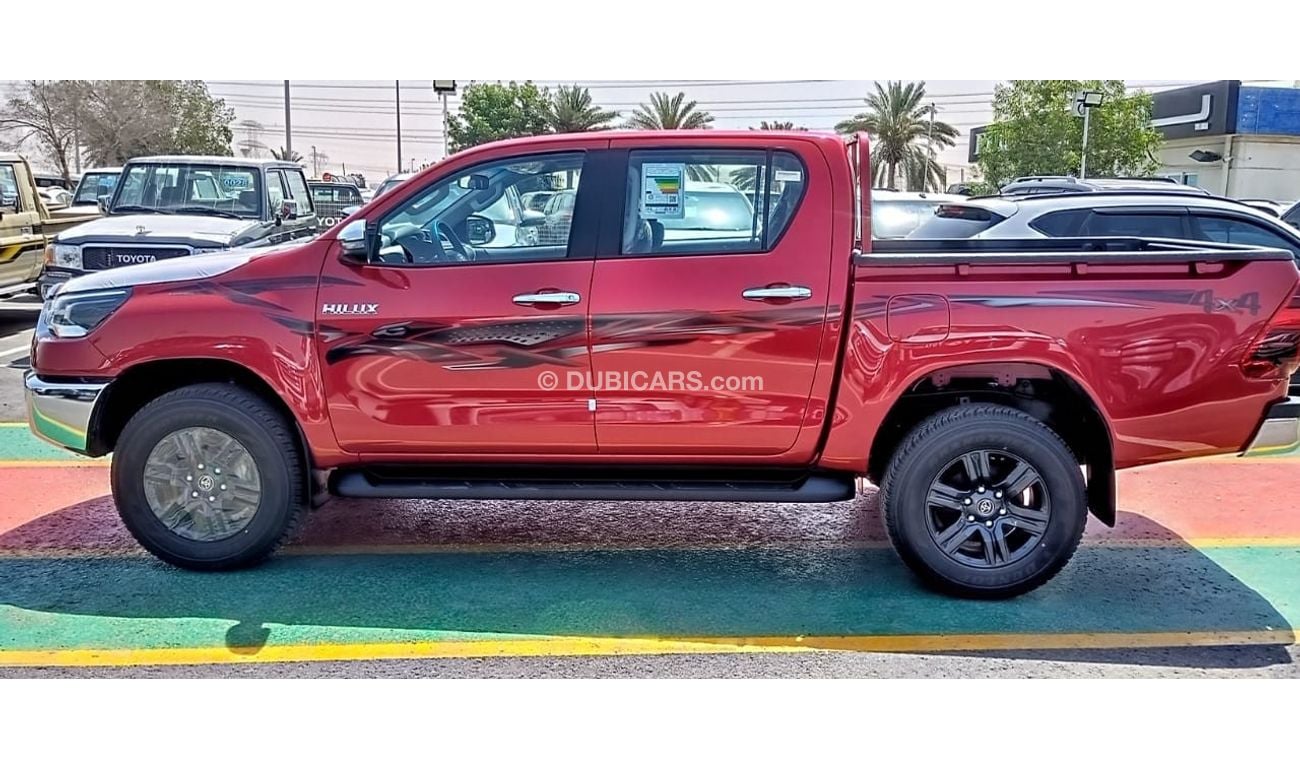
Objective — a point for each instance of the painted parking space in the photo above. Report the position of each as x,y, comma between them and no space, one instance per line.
417,579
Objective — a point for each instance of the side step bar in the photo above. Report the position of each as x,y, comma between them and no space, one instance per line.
803,488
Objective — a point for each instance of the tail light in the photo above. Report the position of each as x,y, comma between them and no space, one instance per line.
1276,353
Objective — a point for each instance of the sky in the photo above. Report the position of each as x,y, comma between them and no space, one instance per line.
353,122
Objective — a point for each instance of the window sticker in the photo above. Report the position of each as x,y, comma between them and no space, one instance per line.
785,175
661,191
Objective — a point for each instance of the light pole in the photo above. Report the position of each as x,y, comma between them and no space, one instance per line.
397,88
443,88
1082,106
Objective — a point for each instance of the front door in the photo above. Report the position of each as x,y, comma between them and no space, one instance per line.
453,339
708,311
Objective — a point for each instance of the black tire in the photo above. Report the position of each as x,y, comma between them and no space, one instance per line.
934,445
259,428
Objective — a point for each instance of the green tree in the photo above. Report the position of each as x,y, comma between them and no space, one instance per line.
666,111
1034,132
122,119
200,123
493,111
572,110
903,132
43,114
779,126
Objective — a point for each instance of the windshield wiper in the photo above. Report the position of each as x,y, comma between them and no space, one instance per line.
205,210
141,209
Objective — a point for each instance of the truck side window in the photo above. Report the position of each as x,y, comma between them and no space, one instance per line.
8,187
705,201
275,190
298,191
477,215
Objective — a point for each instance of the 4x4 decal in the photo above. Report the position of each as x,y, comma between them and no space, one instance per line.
1213,303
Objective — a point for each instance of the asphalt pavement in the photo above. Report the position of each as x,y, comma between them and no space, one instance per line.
1181,588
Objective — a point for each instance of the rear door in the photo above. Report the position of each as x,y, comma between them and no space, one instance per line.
710,298
445,346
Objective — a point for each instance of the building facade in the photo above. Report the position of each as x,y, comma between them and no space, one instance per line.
1233,140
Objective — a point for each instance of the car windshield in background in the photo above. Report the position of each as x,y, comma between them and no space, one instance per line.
724,210
94,185
192,189
897,219
954,221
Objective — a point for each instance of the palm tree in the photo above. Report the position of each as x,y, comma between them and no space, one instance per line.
286,154
669,112
779,126
572,110
896,120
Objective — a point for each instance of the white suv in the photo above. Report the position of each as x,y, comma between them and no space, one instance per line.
1110,214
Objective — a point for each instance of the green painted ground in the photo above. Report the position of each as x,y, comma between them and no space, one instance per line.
138,603
18,444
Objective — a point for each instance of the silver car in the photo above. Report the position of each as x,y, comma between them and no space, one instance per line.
1110,214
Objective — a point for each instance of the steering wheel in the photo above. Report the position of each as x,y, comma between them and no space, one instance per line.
459,250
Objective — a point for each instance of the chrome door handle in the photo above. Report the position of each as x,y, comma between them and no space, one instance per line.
554,299
790,292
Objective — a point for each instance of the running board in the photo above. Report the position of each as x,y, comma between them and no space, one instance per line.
596,485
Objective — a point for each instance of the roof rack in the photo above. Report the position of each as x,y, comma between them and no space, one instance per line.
1108,193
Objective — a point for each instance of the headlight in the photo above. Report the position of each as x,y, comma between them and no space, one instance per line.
76,314
64,256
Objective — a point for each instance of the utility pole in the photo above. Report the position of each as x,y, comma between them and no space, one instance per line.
315,162
288,127
398,90
929,147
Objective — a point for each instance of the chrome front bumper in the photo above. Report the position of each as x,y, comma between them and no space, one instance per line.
1280,431
61,412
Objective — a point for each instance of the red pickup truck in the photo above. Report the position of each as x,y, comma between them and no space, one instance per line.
711,323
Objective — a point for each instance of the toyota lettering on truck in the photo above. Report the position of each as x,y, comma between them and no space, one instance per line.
691,316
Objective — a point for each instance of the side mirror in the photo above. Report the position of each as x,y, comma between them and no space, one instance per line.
353,243
288,209
103,202
480,230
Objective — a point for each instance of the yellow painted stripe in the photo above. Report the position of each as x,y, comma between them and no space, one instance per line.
575,646
13,424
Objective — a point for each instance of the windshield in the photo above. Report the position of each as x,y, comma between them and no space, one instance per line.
94,185
713,211
895,219
191,189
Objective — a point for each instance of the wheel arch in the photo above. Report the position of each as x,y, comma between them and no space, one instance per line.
141,383
1050,394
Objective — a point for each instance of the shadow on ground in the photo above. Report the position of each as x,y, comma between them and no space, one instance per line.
793,589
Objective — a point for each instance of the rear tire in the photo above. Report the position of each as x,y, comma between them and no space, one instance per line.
177,501
984,501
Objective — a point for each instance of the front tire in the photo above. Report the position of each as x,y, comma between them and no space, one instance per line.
984,501
209,477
